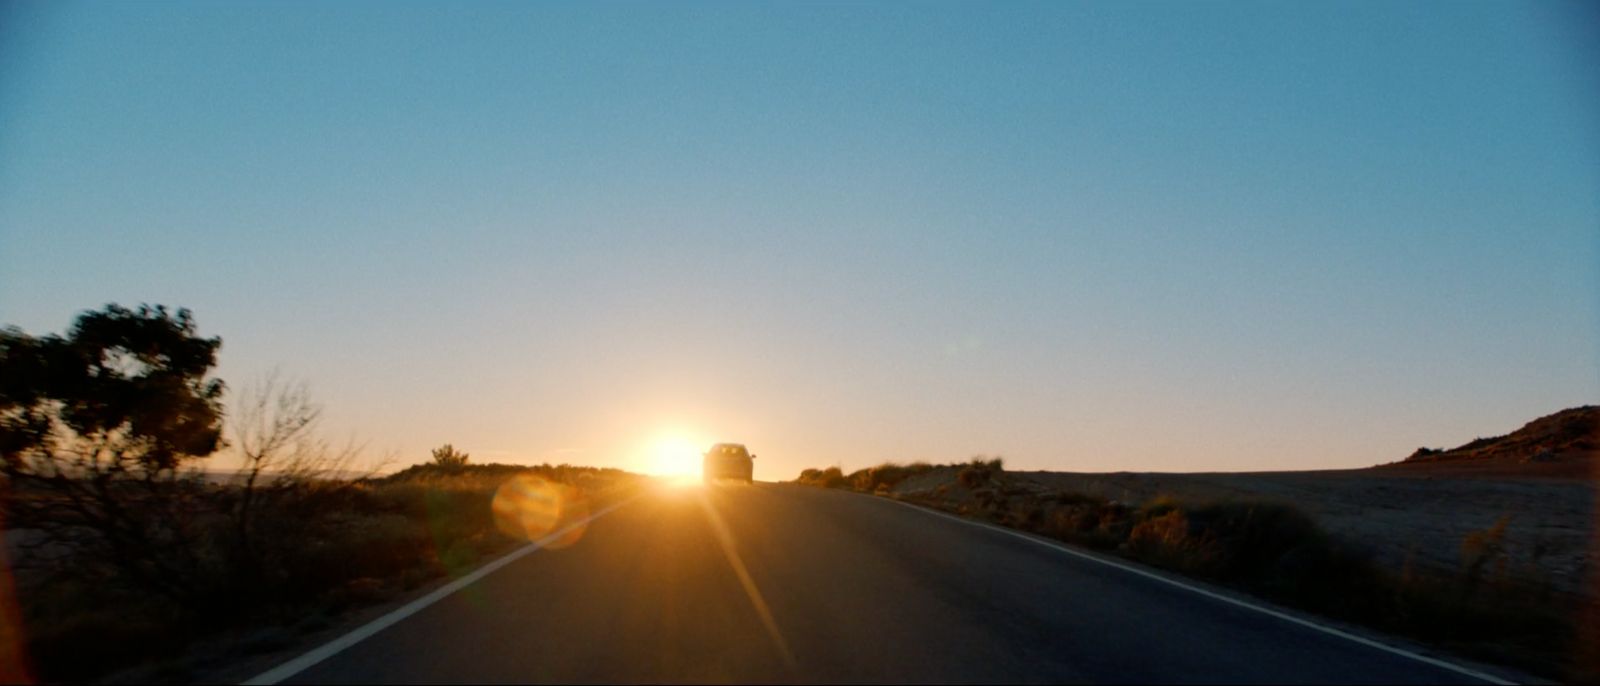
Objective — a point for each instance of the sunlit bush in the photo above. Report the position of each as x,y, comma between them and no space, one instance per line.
832,477
979,471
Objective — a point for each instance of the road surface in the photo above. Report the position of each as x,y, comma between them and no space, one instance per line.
772,583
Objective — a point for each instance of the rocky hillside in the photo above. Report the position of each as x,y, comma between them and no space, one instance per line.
1568,434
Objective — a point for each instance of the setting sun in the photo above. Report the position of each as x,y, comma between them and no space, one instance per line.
675,456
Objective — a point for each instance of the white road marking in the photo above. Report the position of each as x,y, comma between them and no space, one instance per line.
1217,596
331,648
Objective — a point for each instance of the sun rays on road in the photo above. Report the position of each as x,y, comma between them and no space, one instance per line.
730,550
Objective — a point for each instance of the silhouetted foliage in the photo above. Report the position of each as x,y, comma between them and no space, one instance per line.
447,457
134,380
979,471
95,427
292,480
831,477
884,477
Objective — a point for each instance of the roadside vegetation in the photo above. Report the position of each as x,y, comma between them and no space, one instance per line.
125,552
1276,551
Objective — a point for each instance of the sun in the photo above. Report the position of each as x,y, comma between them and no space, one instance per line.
675,456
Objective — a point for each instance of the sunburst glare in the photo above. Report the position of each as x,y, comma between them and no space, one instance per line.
676,457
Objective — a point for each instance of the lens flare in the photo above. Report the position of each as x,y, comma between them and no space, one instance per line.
531,508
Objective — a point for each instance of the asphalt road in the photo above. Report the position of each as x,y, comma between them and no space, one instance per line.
785,583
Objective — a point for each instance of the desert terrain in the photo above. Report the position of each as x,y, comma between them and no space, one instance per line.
1538,483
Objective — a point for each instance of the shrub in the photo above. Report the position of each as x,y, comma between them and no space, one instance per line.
860,480
1025,513
882,478
1479,549
447,457
1239,540
1165,540
1157,506
832,477
886,476
979,471
1250,537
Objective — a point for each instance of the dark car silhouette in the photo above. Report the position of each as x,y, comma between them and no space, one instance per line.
728,461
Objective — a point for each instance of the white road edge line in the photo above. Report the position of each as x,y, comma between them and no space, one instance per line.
1217,596
331,648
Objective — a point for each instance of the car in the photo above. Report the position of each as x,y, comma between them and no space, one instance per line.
728,461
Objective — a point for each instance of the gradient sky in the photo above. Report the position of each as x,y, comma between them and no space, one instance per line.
1085,236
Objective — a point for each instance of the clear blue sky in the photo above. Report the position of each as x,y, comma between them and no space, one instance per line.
1086,236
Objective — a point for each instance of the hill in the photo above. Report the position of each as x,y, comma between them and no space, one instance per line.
1566,443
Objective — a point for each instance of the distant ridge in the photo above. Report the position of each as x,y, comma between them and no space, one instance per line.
1566,435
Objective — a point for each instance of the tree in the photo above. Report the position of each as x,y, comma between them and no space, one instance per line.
274,431
447,457
288,475
96,428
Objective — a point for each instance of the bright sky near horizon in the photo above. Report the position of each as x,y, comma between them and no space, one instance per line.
1085,236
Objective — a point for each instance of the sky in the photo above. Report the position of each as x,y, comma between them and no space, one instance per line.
1096,236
